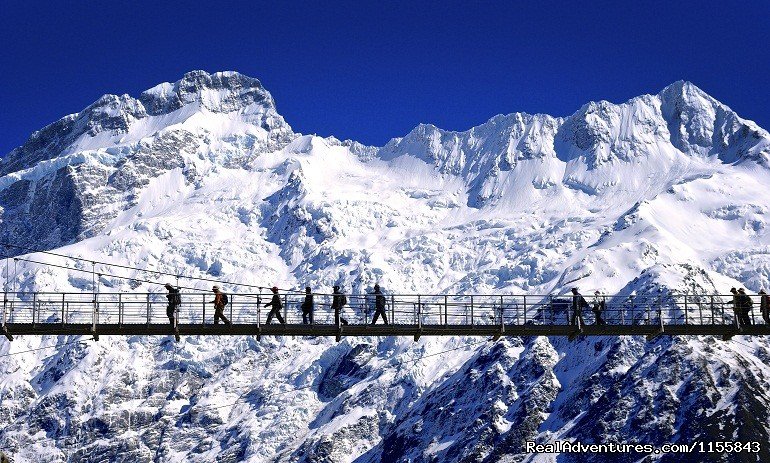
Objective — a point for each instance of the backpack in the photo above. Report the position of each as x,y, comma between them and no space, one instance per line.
225,300
343,300
177,298
747,302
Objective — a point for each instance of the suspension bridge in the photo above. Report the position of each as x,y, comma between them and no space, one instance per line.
416,315
97,313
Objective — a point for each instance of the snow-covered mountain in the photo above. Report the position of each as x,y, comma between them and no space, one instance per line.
203,177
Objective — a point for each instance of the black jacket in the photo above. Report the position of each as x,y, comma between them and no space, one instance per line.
173,296
578,302
379,301
307,305
275,302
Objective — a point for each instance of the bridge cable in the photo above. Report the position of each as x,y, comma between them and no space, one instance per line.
102,274
128,267
121,276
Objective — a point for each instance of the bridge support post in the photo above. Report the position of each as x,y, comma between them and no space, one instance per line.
177,338
338,321
5,315
419,320
259,323
94,314
446,309
502,321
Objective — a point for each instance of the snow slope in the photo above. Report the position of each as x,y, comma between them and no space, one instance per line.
203,177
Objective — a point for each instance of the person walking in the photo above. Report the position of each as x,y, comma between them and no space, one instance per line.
220,301
737,308
746,307
578,303
174,301
276,306
764,306
379,305
338,302
598,308
307,307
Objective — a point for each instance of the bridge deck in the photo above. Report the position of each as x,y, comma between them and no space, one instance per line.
381,330
134,314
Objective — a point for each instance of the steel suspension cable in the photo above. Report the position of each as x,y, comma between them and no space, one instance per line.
128,267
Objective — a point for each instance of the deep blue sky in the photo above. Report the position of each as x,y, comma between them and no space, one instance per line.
372,71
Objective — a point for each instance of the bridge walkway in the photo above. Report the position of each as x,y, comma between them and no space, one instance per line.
415,315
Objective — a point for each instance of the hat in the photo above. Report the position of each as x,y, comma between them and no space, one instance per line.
741,290
307,288
336,287
168,285
274,289
215,288
574,289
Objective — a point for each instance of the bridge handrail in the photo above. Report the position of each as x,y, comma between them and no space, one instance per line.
416,309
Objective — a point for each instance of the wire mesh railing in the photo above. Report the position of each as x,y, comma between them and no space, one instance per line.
399,309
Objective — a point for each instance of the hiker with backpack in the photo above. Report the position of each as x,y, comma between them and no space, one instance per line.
746,307
338,301
174,301
220,301
276,306
307,307
764,306
578,303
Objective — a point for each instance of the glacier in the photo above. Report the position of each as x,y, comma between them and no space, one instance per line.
203,177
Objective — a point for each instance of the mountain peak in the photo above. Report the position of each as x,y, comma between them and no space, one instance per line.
112,119
218,92
684,88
